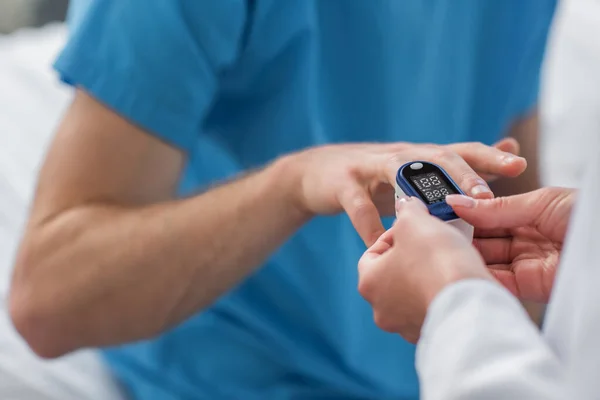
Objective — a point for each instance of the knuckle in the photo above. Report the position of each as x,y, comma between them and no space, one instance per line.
411,337
366,287
433,233
468,179
352,172
385,321
361,206
468,146
429,234
395,160
396,147
443,154
360,200
479,147
349,193
500,203
388,165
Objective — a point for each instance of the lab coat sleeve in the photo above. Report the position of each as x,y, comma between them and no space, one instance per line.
478,342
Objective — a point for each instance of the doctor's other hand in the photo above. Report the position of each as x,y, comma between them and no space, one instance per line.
410,264
520,237
359,178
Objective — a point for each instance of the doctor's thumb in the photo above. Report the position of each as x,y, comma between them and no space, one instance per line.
500,212
410,206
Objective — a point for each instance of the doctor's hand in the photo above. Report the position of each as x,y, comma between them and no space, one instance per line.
410,264
359,178
520,237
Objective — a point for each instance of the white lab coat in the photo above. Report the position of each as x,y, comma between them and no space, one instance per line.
478,342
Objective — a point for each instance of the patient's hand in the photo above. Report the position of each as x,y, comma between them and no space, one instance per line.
520,237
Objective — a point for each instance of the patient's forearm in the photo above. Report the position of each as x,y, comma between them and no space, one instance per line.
101,274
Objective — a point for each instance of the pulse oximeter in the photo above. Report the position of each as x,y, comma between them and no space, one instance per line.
431,184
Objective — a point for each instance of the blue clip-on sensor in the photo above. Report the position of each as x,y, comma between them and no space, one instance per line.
431,184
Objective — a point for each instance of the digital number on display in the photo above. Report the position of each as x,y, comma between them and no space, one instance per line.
432,187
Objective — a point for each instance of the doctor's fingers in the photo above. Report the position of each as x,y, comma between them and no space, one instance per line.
388,239
501,212
416,232
494,251
535,287
383,244
413,222
373,254
409,208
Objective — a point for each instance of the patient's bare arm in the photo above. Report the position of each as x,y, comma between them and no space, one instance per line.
108,256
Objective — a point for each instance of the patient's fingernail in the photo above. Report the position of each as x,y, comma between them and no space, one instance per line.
510,158
480,189
457,200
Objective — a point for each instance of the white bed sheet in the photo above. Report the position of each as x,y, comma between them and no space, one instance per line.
31,102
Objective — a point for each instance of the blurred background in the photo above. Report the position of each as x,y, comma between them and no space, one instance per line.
32,101
15,14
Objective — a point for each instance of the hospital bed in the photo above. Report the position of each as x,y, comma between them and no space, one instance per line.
32,101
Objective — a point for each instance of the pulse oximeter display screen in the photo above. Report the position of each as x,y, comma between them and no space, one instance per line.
432,186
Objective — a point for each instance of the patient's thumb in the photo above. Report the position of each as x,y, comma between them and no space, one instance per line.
500,212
